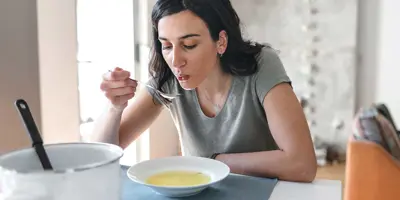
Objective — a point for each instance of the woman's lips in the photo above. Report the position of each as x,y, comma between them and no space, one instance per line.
183,77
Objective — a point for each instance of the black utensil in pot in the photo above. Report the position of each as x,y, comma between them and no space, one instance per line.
37,142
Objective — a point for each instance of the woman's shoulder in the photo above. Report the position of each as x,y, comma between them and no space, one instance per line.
268,57
269,64
270,72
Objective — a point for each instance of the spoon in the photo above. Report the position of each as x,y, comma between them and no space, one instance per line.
32,130
163,94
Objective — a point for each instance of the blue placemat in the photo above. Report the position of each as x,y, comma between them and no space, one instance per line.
234,187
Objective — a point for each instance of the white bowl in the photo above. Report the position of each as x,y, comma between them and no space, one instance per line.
216,170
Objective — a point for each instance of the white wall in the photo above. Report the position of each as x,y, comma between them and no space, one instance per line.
379,61
38,63
19,70
388,75
58,70
368,48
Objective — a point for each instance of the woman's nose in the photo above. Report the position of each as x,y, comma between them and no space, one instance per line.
178,59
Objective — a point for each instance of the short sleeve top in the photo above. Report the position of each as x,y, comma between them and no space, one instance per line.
241,125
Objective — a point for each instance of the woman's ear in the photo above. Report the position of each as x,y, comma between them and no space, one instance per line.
222,42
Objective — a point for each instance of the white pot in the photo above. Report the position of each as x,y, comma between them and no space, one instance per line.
81,171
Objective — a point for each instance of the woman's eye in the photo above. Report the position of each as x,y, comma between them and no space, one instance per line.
166,47
190,46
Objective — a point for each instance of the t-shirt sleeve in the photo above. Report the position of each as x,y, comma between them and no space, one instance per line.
271,72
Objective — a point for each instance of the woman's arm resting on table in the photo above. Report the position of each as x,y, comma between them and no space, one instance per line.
122,127
295,161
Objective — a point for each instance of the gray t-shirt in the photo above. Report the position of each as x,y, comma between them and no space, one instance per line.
241,125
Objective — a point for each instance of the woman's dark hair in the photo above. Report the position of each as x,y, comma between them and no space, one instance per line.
240,55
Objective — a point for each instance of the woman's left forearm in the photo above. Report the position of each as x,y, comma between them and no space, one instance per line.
273,164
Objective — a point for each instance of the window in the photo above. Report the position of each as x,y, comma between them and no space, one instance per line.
105,39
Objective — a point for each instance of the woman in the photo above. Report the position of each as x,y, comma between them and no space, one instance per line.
236,104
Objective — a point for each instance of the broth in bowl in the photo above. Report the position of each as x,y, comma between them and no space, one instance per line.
178,178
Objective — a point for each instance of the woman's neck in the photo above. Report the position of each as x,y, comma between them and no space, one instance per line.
216,83
213,92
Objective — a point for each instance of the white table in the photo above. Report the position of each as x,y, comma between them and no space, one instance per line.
317,190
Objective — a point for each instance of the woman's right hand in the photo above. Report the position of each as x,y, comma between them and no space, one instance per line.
118,87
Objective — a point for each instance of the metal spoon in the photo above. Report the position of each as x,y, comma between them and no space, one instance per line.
163,94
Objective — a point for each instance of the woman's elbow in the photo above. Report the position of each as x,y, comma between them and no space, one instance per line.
300,171
306,171
306,166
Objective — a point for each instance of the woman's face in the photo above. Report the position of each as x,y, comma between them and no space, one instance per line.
188,48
